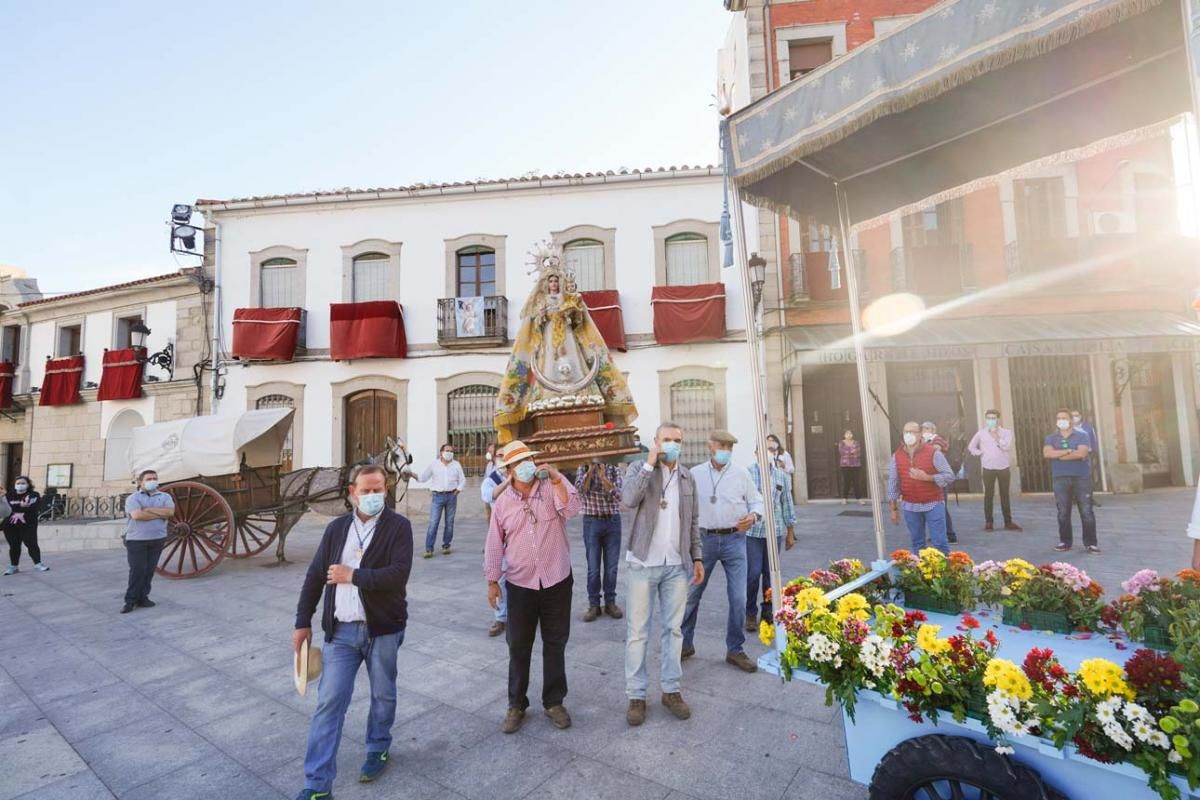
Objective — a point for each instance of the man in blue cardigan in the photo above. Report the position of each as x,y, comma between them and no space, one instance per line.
361,567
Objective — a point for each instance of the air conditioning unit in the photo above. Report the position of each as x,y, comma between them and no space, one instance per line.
1111,223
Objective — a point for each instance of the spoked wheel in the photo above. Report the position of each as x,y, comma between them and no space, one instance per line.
953,768
200,533
254,532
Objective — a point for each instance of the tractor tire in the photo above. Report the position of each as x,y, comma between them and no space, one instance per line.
937,766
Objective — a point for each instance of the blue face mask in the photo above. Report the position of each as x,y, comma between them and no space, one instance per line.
525,471
722,456
22,487
670,450
370,504
992,423
150,486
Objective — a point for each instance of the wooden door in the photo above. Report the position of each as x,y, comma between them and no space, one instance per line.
830,407
14,454
370,418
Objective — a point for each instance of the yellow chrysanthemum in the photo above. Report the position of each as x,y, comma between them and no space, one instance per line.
1007,676
927,640
1103,677
766,633
853,605
809,599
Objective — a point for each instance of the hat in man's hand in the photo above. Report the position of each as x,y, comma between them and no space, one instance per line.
306,666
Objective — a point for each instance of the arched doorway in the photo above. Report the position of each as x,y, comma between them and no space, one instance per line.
370,417
116,445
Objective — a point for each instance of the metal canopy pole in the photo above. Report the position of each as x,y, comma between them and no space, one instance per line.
860,368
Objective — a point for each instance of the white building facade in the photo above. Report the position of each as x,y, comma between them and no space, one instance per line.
424,246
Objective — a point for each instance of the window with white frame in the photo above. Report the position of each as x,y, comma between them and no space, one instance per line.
585,258
280,401
123,335
70,341
370,277
687,259
280,284
805,55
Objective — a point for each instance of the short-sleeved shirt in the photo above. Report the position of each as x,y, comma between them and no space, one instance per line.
144,530
1071,441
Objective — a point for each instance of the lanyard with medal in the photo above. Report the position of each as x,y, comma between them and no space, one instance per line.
358,554
662,502
713,497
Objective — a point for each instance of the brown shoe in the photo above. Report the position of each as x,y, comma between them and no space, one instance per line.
686,653
512,720
1012,526
636,713
674,702
559,717
614,611
496,629
751,623
987,526
592,614
741,661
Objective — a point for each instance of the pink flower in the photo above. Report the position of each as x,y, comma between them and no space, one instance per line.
1142,580
1075,578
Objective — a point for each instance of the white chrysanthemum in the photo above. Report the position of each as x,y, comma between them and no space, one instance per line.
1004,750
1174,757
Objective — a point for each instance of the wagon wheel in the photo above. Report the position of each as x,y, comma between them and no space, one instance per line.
200,532
255,530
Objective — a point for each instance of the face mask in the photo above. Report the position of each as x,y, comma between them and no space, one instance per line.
991,423
1063,424
910,438
150,486
22,487
670,450
370,504
447,455
722,456
526,471
927,436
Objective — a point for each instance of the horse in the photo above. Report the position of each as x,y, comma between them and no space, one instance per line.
323,490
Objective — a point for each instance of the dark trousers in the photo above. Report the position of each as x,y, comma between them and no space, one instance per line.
949,522
990,478
24,535
143,558
851,476
1077,490
527,608
758,574
602,542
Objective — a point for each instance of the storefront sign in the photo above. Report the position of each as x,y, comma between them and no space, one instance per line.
1146,344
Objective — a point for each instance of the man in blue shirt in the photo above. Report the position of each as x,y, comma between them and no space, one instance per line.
148,510
1068,450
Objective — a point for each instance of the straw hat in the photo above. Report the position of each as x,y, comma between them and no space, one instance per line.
306,666
516,451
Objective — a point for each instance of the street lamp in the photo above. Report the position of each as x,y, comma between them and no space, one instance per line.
758,276
182,231
163,359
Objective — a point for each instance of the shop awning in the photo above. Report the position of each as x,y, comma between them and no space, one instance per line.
1129,331
969,89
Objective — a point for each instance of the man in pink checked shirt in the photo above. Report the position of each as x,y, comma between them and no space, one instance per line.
993,444
528,532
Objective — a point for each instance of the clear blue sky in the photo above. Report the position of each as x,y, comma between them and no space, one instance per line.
113,111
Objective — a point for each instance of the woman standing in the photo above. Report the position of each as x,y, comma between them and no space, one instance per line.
22,523
780,456
850,465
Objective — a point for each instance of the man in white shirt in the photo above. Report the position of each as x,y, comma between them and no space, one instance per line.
446,479
730,505
663,538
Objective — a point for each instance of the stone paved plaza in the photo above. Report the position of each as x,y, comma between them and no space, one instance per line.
193,698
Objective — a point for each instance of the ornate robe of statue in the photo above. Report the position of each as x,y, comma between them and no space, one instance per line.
559,358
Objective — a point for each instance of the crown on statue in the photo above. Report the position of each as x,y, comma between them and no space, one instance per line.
546,259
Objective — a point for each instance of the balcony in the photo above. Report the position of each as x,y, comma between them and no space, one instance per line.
935,270
467,322
1028,256
1107,262
811,280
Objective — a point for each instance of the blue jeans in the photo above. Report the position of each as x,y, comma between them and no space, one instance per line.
441,503
602,540
646,586
758,570
351,646
933,520
730,550
1077,490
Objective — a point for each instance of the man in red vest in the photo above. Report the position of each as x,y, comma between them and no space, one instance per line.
917,481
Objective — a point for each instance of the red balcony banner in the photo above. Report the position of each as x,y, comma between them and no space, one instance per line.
8,372
266,334
121,378
60,387
366,330
604,307
685,314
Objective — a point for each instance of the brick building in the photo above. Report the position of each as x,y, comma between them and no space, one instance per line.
1066,285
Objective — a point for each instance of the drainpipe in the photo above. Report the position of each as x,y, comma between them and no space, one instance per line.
215,366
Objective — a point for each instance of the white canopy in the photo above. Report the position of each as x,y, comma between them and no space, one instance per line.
209,446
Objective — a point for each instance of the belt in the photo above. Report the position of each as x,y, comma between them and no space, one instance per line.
721,531
448,491
602,516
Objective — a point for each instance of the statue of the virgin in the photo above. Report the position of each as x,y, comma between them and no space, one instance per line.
559,359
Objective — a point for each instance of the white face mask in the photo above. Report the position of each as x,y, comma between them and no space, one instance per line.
910,438
447,455
927,436
1063,424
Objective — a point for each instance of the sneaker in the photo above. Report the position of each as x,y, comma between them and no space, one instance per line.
687,652
11,570
125,609
373,767
675,704
636,713
1062,548
1012,526
428,554
614,611
741,661
952,537
147,603
496,629
40,567
1093,550
751,623
987,526
559,717
445,549
512,720
592,614
309,794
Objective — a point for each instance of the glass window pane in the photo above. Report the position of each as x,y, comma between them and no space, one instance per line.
687,262
487,289
487,259
280,287
466,276
487,274
369,280
585,258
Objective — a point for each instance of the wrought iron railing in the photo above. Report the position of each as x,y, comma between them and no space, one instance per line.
810,277
491,329
63,507
934,270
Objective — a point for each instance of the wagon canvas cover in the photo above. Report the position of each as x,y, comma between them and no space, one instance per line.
209,446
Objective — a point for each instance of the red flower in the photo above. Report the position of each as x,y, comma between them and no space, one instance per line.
608,426
1148,670
1057,672
992,638
970,622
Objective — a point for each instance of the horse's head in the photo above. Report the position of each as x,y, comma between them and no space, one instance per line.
396,458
